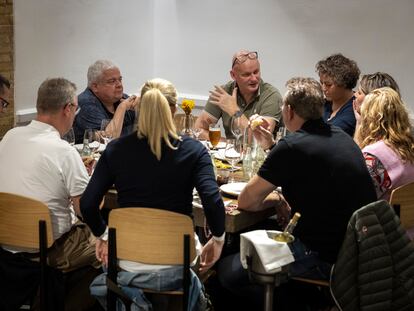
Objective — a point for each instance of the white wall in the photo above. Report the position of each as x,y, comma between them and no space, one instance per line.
191,42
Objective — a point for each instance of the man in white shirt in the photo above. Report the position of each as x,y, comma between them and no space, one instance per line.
37,163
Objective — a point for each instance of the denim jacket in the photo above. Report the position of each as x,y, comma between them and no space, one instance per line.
164,279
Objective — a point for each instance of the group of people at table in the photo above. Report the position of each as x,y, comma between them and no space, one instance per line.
344,149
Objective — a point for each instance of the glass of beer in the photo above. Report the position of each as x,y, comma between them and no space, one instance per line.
214,134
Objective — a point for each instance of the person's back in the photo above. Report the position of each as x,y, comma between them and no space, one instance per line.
34,156
142,180
384,135
323,176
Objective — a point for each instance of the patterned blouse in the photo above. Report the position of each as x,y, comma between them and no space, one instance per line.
379,174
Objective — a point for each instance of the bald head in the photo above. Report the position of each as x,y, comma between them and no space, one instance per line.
241,56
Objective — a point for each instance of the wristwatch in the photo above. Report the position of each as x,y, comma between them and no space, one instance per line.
238,114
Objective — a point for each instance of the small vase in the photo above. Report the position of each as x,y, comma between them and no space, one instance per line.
188,124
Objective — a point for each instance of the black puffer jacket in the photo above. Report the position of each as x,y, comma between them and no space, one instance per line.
375,266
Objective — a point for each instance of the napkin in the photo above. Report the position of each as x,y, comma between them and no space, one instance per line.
272,254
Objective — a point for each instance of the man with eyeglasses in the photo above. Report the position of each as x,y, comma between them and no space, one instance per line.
4,93
243,97
37,163
104,99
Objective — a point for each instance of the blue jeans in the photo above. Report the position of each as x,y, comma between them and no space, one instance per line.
156,279
307,263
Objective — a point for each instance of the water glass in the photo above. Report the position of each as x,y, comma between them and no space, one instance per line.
233,154
196,132
70,137
91,138
237,127
281,132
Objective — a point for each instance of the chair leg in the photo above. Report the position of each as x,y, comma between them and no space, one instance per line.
112,273
186,272
43,279
268,297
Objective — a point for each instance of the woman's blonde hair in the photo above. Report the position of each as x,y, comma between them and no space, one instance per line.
384,117
155,121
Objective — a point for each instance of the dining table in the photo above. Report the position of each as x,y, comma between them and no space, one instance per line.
235,220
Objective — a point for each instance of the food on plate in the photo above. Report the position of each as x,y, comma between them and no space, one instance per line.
220,164
87,160
255,123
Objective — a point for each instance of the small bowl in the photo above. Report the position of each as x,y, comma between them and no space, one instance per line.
222,176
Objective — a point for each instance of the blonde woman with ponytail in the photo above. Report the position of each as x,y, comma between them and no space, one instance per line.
385,137
154,167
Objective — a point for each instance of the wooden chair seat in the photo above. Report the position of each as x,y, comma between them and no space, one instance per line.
25,224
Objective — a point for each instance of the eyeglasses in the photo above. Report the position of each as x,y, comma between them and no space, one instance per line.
4,103
243,57
78,108
113,81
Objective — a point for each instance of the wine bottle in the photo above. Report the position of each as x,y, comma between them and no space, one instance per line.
286,236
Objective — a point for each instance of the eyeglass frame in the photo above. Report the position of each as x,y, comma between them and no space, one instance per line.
112,81
77,109
4,103
243,57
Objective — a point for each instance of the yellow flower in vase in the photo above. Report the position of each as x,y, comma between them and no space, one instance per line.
187,105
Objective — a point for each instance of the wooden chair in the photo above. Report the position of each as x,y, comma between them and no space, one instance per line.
402,200
25,223
150,236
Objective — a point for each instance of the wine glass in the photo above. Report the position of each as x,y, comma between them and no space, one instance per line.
281,132
214,134
237,127
196,132
92,139
233,154
70,137
107,130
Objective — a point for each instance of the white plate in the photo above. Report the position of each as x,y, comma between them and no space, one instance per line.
234,188
219,155
101,148
220,145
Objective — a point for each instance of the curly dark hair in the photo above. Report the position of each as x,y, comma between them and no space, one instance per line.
342,70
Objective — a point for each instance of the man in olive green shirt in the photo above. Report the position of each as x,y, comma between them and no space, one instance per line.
243,97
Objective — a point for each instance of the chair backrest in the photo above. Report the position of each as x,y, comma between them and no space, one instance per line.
404,198
151,236
19,221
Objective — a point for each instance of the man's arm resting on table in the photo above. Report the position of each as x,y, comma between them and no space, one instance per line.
258,195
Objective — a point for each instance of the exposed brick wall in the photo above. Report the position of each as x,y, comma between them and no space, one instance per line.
7,59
